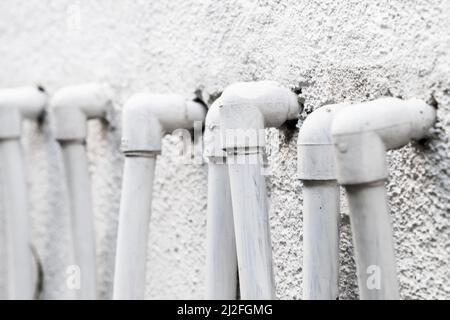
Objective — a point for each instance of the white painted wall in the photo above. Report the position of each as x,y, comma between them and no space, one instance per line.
336,50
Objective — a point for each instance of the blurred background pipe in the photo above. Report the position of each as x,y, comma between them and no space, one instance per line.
146,118
17,104
71,108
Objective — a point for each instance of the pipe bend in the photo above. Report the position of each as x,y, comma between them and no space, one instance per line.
254,106
363,132
315,146
212,140
395,121
72,106
30,101
147,117
17,104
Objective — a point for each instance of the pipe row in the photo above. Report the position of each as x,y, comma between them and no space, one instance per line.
346,144
338,145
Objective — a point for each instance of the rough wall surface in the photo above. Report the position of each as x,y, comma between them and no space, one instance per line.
335,50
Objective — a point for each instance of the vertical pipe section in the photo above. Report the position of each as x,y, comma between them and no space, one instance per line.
221,261
321,240
146,118
17,104
251,223
134,220
14,200
71,108
362,133
374,246
77,174
321,206
246,109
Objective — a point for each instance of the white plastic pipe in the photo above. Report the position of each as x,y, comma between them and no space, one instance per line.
246,109
71,108
361,134
82,219
146,118
17,104
321,206
221,260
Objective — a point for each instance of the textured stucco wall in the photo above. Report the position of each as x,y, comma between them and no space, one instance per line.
334,50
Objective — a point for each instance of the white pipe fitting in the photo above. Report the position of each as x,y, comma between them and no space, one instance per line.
17,104
221,259
361,134
212,135
253,106
146,118
321,206
246,109
71,108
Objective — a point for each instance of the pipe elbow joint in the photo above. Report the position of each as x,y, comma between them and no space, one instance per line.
362,133
17,104
248,107
212,141
147,117
315,150
72,106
